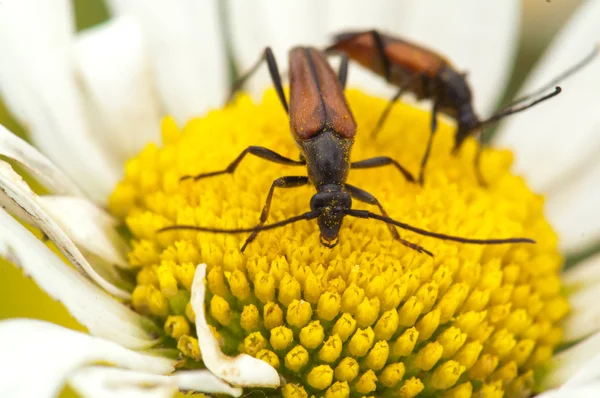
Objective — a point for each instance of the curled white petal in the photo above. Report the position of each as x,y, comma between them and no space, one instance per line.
103,316
187,52
543,153
38,165
576,365
104,382
205,381
115,70
36,357
243,370
89,226
17,197
38,85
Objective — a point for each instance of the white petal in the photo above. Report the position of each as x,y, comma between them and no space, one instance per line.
583,274
478,37
588,390
187,52
103,382
390,16
243,370
38,84
101,314
558,140
584,318
313,23
572,210
284,25
36,164
464,32
90,227
583,281
577,364
115,69
17,197
278,24
203,380
37,357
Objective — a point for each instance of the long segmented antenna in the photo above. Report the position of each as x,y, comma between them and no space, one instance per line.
353,213
501,114
305,216
387,220
567,73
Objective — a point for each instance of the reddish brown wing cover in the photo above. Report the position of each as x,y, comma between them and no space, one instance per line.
361,47
317,99
413,58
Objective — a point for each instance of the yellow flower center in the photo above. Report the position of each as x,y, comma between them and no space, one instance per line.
369,317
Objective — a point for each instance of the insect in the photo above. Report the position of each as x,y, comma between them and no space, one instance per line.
324,129
429,75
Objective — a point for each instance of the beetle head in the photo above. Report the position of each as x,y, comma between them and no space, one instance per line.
331,203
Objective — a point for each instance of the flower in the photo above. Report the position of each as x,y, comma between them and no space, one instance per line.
369,316
155,52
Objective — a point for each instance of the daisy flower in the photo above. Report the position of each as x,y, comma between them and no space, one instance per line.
183,310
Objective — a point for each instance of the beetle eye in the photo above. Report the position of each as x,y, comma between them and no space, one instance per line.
317,202
347,202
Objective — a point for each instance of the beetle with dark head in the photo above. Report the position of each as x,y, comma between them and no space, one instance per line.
324,129
428,75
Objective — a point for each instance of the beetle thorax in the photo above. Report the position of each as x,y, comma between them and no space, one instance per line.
328,158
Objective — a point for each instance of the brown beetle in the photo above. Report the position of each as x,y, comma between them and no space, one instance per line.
427,74
324,129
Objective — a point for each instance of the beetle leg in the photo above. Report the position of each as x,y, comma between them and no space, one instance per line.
477,166
477,161
276,77
281,182
434,122
364,196
380,161
239,83
343,71
388,108
386,112
258,151
385,61
273,71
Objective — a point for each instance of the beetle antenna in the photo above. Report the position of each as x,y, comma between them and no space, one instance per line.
512,107
501,114
387,220
306,216
567,73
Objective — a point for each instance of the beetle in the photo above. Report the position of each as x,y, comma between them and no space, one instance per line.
427,74
324,130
